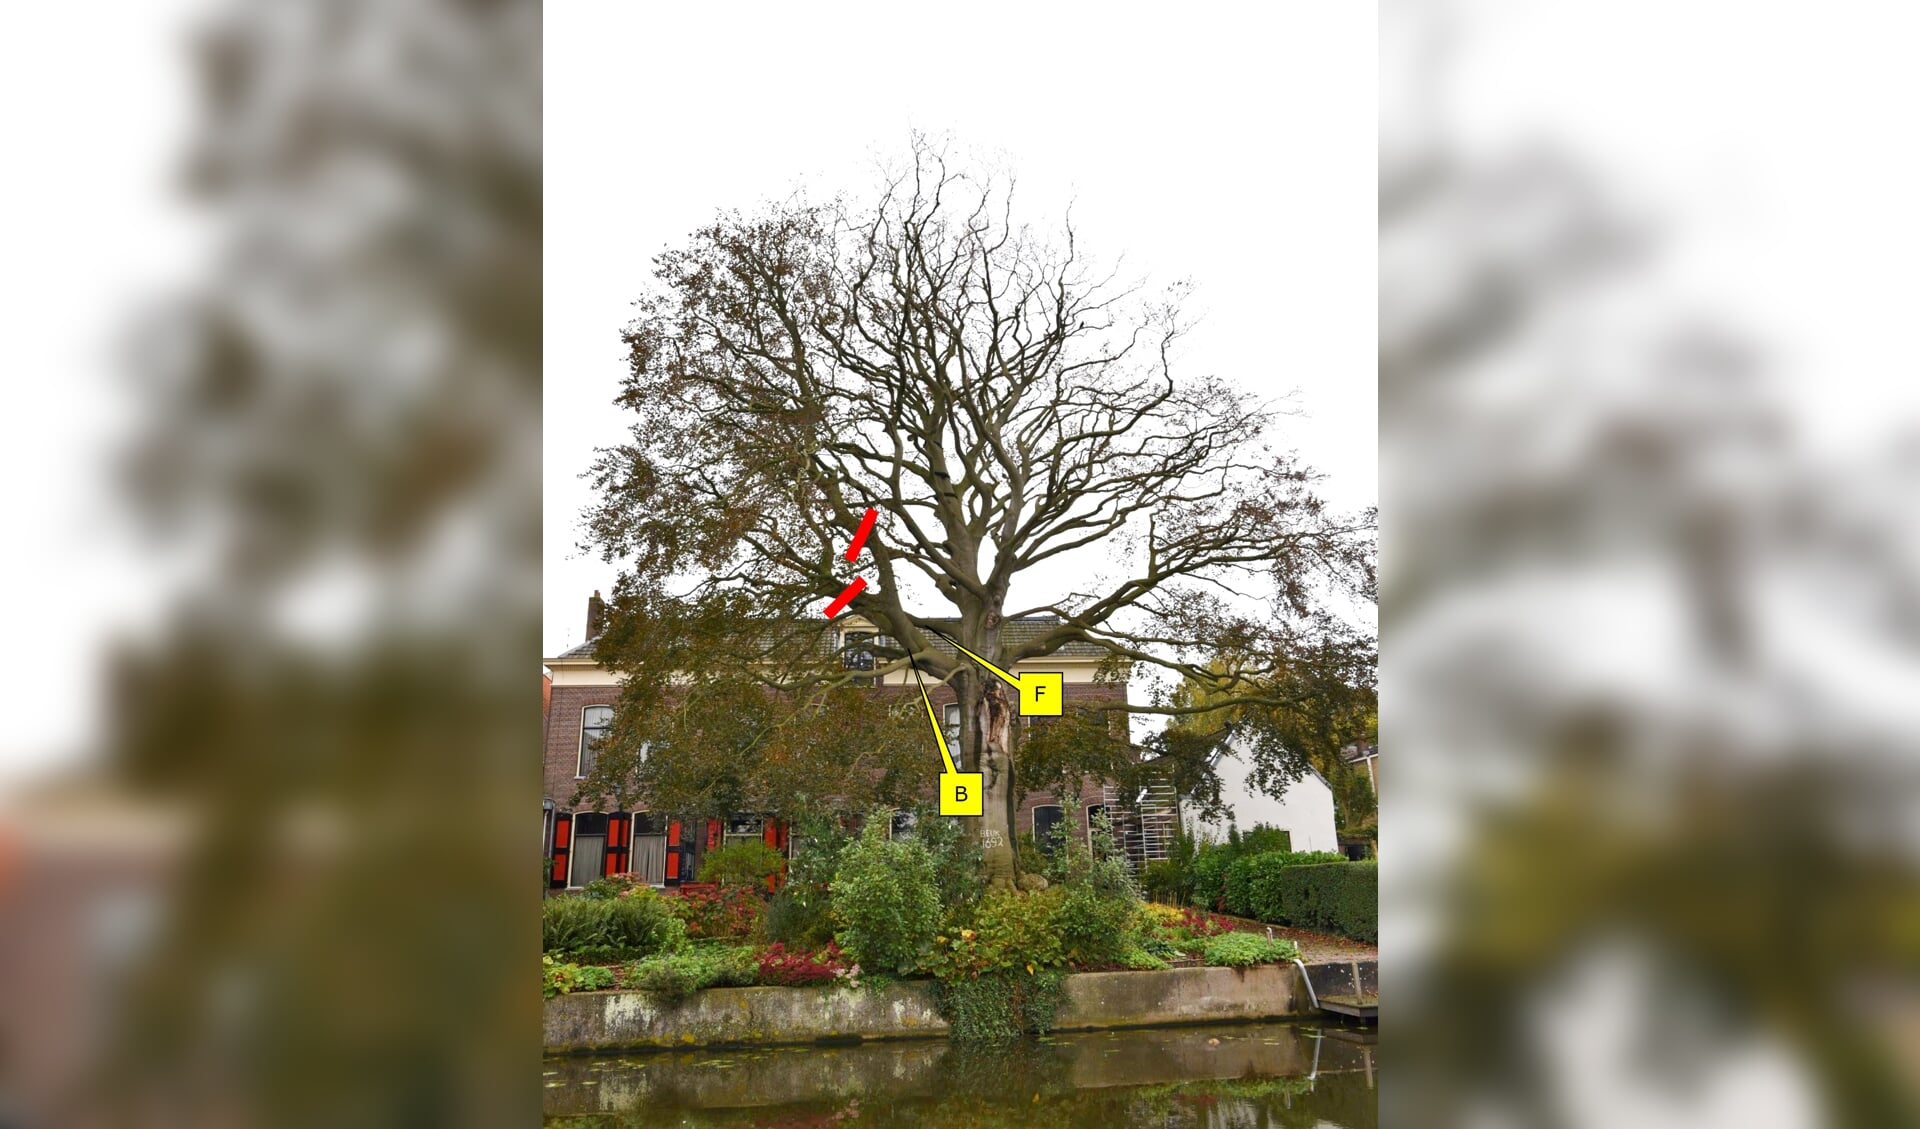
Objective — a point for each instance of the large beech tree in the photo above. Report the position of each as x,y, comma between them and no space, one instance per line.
1014,411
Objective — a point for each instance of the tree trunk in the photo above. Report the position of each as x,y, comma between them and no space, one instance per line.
993,721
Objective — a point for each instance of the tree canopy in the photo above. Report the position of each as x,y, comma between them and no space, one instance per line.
1015,412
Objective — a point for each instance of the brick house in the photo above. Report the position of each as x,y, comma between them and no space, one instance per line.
592,839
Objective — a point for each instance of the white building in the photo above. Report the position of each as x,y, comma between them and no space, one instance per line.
1304,810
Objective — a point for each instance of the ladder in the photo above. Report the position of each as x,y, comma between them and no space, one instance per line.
1144,824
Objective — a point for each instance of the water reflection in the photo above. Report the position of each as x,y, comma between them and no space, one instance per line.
1231,1077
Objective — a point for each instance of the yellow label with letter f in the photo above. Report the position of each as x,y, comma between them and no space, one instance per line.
1041,694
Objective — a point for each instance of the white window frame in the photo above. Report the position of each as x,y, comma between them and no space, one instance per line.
573,837
580,757
1086,821
633,835
1033,827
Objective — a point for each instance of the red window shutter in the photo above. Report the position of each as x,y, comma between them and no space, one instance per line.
673,853
777,839
562,844
619,836
713,833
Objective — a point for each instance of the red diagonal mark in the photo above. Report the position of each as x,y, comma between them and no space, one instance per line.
860,538
846,597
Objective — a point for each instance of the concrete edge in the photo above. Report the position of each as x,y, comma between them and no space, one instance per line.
616,1021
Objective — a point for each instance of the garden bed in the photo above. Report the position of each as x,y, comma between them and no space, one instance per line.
860,922
1315,948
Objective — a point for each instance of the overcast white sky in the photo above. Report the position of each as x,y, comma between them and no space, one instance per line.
1234,149
94,112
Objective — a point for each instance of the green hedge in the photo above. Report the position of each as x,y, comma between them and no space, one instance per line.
1236,885
1202,874
1333,897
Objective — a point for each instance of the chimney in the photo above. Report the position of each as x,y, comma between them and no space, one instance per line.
596,615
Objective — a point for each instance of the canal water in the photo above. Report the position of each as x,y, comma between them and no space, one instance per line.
1246,1076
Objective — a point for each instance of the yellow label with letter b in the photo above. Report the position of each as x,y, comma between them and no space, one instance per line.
962,793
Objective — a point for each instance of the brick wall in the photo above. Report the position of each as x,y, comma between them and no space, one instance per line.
563,740
563,744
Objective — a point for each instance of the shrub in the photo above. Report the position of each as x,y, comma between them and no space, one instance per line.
1165,881
718,911
1242,950
800,914
1160,914
635,925
1172,932
639,923
798,968
557,978
1096,928
1335,897
1209,876
1138,959
1008,930
748,864
1171,879
956,859
1072,861
1259,839
1237,892
569,924
613,886
999,1007
800,918
818,842
1200,924
675,976
885,901
1097,915
1212,862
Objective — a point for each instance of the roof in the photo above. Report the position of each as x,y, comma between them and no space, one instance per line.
583,651
1025,629
1013,632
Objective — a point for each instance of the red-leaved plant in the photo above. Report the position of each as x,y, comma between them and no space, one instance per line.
718,911
1202,924
798,968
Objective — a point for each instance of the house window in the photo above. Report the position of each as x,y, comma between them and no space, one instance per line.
951,715
595,721
744,828
856,650
649,855
589,854
1046,817
1094,812
901,826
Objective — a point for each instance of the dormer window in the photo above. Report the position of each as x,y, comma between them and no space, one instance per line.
856,650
